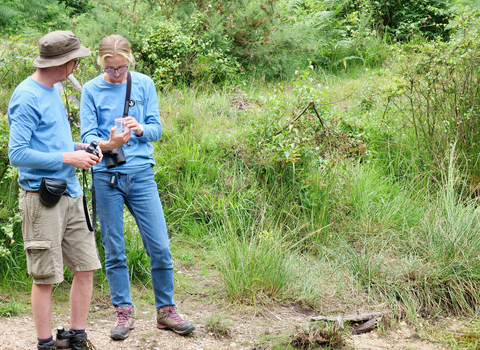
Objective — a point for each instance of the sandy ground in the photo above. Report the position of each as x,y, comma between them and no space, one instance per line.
249,328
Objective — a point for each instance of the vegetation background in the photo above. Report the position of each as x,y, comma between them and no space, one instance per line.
310,147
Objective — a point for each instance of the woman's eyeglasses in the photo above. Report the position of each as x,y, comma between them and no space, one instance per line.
120,70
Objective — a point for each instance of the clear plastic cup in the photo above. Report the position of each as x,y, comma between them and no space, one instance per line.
120,123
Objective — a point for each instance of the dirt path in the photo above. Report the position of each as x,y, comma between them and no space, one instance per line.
249,329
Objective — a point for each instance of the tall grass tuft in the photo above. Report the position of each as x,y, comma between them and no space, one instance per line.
254,266
424,262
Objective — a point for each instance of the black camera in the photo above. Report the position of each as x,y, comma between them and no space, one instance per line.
114,157
92,148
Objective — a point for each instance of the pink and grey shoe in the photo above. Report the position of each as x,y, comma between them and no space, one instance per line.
168,318
125,322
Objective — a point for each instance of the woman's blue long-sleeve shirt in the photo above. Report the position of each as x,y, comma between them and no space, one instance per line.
102,102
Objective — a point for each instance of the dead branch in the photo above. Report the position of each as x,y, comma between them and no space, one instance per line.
352,318
367,321
365,327
296,118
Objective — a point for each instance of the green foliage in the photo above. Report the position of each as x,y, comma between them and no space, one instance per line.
44,15
276,180
13,263
429,264
311,140
172,54
11,308
402,20
4,136
16,55
79,6
437,93
338,34
112,17
218,324
262,43
254,267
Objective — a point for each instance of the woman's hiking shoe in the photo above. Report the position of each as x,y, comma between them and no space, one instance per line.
125,322
168,318
51,345
80,342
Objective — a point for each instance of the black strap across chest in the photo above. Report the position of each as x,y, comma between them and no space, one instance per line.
92,224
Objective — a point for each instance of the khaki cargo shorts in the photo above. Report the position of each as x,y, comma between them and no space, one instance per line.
56,235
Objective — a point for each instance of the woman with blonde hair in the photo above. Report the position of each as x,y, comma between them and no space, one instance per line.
125,177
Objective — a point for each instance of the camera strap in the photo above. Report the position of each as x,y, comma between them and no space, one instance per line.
127,96
92,224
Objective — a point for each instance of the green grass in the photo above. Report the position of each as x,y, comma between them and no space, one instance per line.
12,308
340,232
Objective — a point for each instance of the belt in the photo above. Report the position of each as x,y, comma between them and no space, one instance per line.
32,191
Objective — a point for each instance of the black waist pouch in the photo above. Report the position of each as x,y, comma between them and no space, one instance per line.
51,190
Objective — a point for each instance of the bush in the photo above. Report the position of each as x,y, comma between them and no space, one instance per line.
17,15
334,34
16,56
173,53
403,19
437,94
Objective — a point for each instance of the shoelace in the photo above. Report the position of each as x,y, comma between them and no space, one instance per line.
122,316
172,313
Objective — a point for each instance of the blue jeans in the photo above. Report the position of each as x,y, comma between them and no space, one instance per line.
139,193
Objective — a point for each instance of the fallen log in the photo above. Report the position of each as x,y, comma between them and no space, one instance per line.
365,327
363,317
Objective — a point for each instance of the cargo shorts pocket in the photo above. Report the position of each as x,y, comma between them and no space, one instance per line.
39,259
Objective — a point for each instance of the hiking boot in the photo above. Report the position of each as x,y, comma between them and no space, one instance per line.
80,342
51,345
168,318
125,322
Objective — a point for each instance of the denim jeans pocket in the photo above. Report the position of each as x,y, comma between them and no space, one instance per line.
39,259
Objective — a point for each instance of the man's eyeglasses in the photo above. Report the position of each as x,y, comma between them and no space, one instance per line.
120,70
76,63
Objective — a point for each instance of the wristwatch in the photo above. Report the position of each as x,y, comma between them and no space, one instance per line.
140,132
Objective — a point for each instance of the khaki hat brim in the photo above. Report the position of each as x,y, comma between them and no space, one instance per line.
61,59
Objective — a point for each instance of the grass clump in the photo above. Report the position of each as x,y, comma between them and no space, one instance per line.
218,325
253,267
317,337
11,308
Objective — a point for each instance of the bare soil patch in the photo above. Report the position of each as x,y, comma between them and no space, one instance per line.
259,328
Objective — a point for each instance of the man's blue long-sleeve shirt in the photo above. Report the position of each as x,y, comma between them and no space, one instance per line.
39,134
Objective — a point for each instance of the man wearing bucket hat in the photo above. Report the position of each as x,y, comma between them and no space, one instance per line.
41,146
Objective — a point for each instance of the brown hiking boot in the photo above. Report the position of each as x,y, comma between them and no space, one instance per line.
125,322
168,318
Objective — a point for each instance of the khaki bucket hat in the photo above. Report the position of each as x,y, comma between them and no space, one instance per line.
57,48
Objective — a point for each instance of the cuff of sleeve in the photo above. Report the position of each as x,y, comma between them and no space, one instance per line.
140,133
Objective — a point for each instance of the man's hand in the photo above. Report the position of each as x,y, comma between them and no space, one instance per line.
132,124
100,154
80,159
83,146
115,140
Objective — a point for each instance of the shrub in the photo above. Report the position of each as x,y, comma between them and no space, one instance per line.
437,94
334,34
40,14
403,19
16,55
173,53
